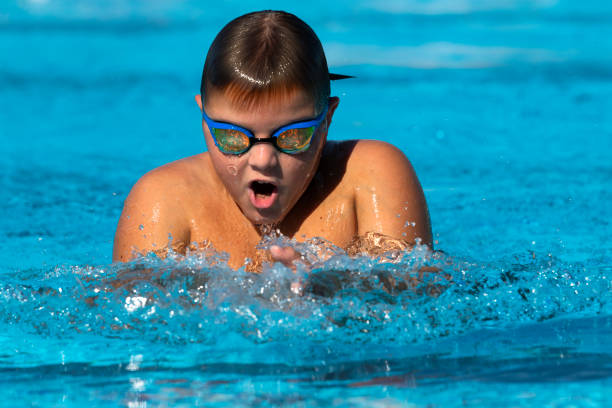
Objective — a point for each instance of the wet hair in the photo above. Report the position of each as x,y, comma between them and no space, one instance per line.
263,56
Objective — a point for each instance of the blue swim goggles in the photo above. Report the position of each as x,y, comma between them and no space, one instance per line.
293,138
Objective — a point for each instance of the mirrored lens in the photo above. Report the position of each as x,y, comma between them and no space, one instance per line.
230,140
295,140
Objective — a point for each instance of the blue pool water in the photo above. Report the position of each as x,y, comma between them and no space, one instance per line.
503,106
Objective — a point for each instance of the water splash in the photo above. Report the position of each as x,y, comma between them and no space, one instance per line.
409,298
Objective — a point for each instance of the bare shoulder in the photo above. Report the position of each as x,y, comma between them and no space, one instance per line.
172,187
387,192
158,207
379,162
369,147
366,162
177,174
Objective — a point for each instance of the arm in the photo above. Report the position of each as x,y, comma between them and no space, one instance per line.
152,215
388,196
390,207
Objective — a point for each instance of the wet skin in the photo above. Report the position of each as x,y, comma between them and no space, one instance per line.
334,190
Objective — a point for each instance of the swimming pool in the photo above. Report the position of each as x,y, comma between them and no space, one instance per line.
503,108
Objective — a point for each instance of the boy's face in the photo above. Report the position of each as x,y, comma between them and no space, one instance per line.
264,182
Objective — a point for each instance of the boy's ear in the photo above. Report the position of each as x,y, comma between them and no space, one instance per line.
198,99
333,104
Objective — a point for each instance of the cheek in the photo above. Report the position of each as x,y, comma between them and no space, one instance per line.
227,168
298,172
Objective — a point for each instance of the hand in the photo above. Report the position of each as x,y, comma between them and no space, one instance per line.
284,255
287,256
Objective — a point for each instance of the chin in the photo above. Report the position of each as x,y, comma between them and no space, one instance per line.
258,218
267,220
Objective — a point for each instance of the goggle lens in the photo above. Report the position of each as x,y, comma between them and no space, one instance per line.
295,140
231,141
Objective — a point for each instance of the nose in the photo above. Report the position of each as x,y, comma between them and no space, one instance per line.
263,156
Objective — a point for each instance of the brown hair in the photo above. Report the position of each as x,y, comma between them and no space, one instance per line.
266,55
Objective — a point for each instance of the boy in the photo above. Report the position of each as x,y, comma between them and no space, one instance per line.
266,110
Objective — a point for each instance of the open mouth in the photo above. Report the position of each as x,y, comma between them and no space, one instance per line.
262,194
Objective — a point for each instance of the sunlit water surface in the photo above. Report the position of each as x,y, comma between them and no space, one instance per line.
503,108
